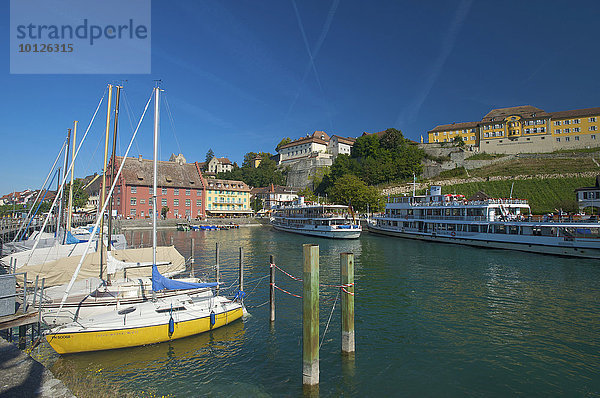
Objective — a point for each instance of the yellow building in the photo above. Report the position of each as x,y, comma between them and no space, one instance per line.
227,198
522,129
468,132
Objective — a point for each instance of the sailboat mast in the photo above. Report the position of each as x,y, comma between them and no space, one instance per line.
70,208
103,191
59,218
154,177
112,167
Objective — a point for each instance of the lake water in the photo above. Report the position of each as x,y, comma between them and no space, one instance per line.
431,320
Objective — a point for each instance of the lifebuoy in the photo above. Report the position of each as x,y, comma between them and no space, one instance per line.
453,233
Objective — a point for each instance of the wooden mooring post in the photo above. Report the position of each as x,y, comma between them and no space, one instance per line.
347,279
310,316
272,290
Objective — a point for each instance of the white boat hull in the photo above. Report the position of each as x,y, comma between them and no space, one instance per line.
549,245
349,233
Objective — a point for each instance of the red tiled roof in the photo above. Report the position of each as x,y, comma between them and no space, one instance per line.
575,113
314,137
525,111
170,174
455,126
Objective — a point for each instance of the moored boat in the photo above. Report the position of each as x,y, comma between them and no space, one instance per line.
149,320
485,222
323,220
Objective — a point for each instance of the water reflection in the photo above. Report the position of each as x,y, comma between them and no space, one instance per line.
430,319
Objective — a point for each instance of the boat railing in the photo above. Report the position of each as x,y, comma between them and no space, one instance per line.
453,218
456,203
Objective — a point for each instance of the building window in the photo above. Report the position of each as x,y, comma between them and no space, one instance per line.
567,138
188,192
198,192
164,202
566,131
118,201
576,121
593,136
175,202
592,128
176,212
142,201
542,129
187,212
566,122
592,119
557,123
557,139
132,212
576,138
119,189
557,131
176,191
164,191
151,191
133,201
199,202
188,202
142,213
133,189
576,130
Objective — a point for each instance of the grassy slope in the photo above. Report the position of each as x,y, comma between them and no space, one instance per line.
544,194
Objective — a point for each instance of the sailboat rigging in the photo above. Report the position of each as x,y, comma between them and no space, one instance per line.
150,321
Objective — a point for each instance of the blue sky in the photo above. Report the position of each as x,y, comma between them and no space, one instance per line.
241,75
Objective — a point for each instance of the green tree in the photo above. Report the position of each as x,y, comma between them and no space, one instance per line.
365,146
458,140
308,194
283,142
164,211
209,155
351,190
265,174
80,197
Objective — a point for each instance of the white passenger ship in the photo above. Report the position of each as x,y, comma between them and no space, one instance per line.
493,223
326,221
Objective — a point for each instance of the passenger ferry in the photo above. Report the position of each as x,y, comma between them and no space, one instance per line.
326,221
494,223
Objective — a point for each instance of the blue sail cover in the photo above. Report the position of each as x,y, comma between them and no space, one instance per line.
72,240
159,282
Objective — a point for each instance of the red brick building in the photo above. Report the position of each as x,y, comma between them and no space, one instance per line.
181,188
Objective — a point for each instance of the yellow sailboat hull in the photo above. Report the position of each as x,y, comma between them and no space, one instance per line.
83,341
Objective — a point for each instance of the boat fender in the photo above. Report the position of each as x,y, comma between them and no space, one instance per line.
171,326
213,319
453,233
171,322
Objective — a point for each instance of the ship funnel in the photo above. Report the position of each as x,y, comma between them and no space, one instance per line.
435,190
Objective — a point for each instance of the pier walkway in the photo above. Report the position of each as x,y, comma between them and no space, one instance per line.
23,376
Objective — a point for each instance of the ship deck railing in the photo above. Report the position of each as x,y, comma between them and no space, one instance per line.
458,203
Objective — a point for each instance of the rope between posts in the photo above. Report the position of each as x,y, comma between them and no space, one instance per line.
285,291
329,320
259,281
258,306
320,284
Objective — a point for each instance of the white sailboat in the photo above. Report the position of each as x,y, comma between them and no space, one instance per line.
151,321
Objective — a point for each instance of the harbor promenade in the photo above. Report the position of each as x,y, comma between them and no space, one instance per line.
23,376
